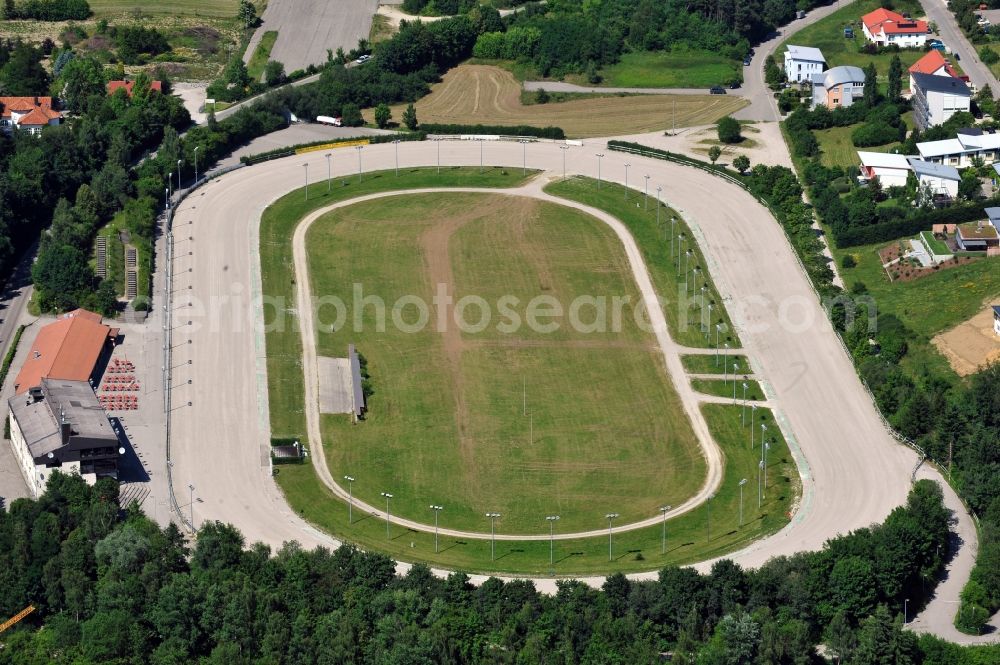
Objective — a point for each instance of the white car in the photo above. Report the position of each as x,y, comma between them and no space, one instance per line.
364,58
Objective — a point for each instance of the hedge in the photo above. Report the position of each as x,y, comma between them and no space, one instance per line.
506,130
900,228
277,153
9,358
289,441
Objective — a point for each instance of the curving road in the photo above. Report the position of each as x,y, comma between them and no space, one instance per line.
853,472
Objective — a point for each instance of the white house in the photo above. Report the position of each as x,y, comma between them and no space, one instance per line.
890,169
27,113
887,28
935,64
801,62
838,86
962,150
937,98
936,179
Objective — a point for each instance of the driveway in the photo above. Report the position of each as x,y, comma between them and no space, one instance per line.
308,28
953,37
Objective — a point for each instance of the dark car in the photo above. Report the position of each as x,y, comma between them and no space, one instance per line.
734,85
746,61
717,90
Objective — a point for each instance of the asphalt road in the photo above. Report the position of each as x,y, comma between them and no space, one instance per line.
853,472
953,37
307,28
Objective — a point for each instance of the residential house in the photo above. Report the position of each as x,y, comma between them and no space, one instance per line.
114,86
887,28
30,114
937,98
838,86
976,236
890,169
962,150
934,64
801,62
936,180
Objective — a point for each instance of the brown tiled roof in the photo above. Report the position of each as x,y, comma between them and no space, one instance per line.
68,348
35,105
128,85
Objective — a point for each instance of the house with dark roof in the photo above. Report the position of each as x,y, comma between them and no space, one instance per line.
30,114
886,28
934,64
936,98
71,348
838,86
127,86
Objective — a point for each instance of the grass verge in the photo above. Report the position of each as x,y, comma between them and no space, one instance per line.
725,388
710,364
255,68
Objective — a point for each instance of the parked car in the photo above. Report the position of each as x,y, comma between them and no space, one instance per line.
717,90
735,85
364,58
746,61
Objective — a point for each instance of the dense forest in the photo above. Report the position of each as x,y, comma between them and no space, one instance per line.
109,586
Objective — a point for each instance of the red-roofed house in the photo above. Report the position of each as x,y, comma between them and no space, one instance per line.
68,348
114,86
27,113
885,27
934,64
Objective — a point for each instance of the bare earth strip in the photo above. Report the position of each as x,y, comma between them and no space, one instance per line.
482,94
971,344
853,472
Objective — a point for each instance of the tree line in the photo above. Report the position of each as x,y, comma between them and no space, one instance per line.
109,586
46,10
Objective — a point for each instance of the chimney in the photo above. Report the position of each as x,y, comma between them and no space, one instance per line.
64,426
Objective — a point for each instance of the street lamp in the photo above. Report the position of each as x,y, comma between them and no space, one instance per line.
493,535
196,163
743,411
166,197
718,329
600,156
763,429
708,504
552,520
358,148
179,162
329,167
767,447
524,157
663,538
387,497
611,518
564,148
306,167
438,141
395,143
760,473
350,499
191,504
437,510
742,483
626,180
645,194
725,367
480,155
906,602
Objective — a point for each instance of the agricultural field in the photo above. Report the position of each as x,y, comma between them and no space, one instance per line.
524,422
827,35
484,94
670,69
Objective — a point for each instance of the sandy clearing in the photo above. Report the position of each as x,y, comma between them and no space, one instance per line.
971,344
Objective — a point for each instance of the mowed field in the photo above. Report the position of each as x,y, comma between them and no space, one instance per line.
483,94
514,420
212,8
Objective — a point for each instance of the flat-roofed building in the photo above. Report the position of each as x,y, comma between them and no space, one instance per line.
936,98
60,425
890,169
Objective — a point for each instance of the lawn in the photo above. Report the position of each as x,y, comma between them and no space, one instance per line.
211,8
710,530
710,364
284,349
255,68
680,68
490,95
827,35
517,419
838,150
685,317
725,388
936,246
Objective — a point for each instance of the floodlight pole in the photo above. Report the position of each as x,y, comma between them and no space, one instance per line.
645,194
600,155
395,143
564,148
438,141
743,411
358,148
191,487
767,447
306,167
437,510
329,172
658,190
552,520
760,471
480,155
196,163
524,157
611,517
350,499
179,162
663,538
718,328
626,180
387,497
725,367
493,535
742,483
708,521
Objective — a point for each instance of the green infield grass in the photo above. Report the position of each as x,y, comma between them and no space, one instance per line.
725,388
711,364
671,69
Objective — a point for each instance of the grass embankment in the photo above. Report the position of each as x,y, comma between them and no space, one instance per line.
255,68
827,34
725,388
679,68
572,414
284,349
211,8
687,535
686,318
711,364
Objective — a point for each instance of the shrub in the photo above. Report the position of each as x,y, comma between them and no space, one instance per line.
874,133
848,262
988,55
729,130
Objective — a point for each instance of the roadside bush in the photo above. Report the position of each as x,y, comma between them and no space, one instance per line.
876,133
848,261
988,55
729,130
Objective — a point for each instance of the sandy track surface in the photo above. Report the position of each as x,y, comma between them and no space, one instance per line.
482,94
853,472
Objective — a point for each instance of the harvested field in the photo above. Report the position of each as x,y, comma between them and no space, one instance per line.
482,94
970,344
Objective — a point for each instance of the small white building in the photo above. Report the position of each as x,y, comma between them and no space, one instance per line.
960,151
801,62
890,169
939,180
937,98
